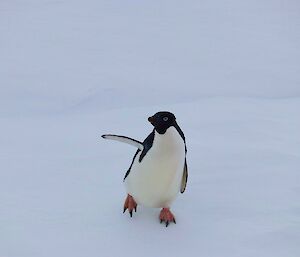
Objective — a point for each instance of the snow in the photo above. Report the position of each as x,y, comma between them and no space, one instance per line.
73,70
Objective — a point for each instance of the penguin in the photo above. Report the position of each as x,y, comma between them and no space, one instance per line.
158,171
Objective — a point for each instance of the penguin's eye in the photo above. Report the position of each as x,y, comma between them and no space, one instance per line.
165,118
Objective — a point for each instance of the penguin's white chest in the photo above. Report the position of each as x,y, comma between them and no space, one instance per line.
155,181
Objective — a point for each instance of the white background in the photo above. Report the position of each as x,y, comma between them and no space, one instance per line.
72,70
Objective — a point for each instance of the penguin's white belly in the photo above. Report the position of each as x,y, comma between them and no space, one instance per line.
156,180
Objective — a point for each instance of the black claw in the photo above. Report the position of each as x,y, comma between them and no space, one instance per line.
167,223
174,221
130,212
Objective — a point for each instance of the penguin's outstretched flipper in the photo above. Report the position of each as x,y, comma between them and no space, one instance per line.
124,139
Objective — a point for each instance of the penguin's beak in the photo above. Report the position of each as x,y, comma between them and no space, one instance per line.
151,119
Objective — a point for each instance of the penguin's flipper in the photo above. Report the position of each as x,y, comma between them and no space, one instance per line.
184,177
124,139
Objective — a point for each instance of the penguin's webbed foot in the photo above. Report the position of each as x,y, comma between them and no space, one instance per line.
166,216
130,204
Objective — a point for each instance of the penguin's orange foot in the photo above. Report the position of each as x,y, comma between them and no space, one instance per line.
166,216
130,204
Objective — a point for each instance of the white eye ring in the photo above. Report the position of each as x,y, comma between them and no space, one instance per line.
165,118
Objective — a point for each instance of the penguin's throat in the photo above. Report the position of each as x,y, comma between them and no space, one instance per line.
169,141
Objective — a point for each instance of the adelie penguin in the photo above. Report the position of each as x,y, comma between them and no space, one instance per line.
158,170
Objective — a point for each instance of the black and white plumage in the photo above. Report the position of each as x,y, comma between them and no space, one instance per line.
159,168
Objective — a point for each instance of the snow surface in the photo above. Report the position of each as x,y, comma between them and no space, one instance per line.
73,70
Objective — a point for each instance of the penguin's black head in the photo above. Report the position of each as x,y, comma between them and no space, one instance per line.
162,121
